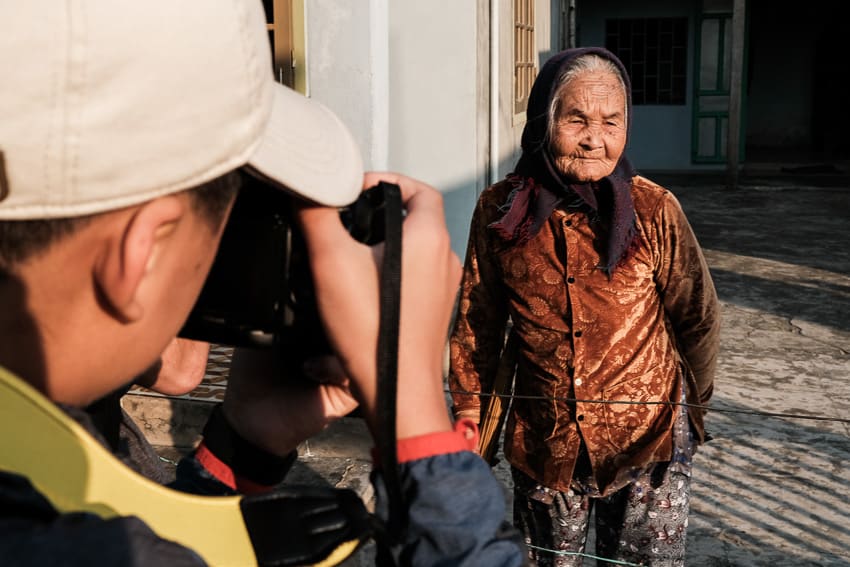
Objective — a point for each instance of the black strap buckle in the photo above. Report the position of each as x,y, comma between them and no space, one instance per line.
305,525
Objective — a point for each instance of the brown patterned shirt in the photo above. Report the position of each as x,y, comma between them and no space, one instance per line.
584,339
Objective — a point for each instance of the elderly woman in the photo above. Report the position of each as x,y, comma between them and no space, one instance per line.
615,321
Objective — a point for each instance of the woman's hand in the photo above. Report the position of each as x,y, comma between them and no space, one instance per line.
268,405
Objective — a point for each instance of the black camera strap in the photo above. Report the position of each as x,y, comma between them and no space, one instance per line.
387,367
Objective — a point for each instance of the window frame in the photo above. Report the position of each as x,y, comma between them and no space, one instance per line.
524,55
655,54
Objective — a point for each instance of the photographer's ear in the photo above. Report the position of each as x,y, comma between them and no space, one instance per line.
130,254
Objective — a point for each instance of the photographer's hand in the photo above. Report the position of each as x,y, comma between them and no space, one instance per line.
346,279
275,414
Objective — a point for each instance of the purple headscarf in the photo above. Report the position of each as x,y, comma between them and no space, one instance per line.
539,187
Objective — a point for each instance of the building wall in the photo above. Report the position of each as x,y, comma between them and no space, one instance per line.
548,37
434,103
504,128
403,75
342,66
412,81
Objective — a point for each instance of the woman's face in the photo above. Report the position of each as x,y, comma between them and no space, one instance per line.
589,133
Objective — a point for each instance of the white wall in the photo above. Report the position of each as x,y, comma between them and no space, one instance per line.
344,67
433,101
412,81
440,96
402,75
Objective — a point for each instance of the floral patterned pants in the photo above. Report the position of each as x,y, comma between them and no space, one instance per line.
644,523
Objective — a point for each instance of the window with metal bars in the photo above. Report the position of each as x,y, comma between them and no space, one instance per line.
654,52
525,58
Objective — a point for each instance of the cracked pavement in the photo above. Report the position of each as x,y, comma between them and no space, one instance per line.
772,490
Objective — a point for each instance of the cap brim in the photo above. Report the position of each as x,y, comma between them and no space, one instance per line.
306,149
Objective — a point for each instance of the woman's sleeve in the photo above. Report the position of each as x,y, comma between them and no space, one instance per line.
479,328
687,290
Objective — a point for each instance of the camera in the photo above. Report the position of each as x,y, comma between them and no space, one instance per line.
259,292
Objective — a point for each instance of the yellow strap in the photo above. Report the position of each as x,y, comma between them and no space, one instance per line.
76,473
72,470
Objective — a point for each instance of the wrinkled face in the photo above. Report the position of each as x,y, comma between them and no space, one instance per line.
589,133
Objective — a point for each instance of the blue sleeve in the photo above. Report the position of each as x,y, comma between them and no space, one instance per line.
456,514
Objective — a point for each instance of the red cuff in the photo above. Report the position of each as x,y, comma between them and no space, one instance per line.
463,438
224,474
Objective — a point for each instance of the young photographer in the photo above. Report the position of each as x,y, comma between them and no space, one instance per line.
126,133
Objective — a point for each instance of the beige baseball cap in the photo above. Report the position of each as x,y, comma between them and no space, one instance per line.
110,103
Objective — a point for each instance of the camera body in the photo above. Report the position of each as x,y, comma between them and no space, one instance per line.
259,292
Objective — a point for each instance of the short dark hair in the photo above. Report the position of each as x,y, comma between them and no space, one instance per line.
212,199
23,239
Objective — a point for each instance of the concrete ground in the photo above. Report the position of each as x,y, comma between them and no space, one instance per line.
771,488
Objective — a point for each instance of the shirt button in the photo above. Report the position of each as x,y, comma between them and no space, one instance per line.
577,333
578,381
571,280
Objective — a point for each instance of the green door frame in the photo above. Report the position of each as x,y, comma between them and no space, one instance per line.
710,116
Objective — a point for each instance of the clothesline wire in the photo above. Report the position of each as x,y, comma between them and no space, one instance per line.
665,403
587,555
